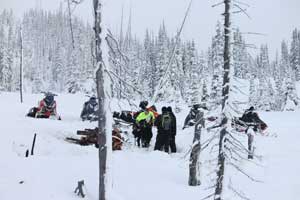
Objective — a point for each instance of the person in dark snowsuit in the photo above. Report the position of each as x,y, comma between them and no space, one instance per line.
164,126
172,143
89,111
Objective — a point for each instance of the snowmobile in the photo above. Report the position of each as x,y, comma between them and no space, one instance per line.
249,124
249,119
90,109
46,108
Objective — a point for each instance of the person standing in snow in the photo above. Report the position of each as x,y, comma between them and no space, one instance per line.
164,128
172,143
144,123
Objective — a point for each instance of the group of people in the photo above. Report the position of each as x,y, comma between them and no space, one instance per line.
164,122
145,119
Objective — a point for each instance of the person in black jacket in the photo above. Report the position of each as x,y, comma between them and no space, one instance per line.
89,111
172,143
163,123
250,117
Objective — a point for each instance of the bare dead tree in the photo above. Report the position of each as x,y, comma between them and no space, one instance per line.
225,95
21,65
194,166
70,23
101,100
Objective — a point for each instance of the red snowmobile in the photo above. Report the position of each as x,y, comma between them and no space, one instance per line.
46,108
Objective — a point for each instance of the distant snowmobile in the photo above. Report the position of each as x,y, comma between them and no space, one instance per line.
46,108
90,109
249,119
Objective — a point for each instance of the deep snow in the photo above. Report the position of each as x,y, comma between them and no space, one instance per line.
53,172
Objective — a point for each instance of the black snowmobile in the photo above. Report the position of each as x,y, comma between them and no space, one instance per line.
249,119
90,109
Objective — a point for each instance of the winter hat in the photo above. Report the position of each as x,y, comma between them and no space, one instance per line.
251,108
164,109
143,104
169,109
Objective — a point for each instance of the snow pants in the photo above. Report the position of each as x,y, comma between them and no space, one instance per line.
172,143
162,141
146,136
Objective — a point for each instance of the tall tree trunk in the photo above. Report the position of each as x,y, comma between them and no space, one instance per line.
21,65
70,23
225,95
101,100
194,178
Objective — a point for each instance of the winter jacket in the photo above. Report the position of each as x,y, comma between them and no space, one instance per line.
145,119
159,124
153,109
174,124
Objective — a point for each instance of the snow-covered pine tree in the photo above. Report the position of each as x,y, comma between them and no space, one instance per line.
264,90
2,56
150,59
216,65
162,53
278,77
194,92
295,54
240,56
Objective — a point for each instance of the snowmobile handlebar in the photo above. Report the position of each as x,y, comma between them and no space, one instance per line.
49,94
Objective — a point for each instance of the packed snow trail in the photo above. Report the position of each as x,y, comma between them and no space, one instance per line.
53,172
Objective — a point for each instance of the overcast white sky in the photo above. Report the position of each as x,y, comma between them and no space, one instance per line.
275,18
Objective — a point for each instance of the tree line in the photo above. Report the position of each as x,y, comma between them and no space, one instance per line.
51,62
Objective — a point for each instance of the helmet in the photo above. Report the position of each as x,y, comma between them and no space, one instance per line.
93,100
143,104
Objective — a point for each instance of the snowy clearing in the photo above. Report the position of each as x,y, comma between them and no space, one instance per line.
53,172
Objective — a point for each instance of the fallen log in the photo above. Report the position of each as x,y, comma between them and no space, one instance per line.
90,137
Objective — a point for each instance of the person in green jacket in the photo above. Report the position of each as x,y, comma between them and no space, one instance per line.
145,121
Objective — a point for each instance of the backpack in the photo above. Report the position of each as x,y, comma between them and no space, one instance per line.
166,122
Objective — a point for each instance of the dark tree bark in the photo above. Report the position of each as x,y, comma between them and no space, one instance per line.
194,178
21,65
225,95
101,100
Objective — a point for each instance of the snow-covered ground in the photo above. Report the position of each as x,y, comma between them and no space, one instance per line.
53,172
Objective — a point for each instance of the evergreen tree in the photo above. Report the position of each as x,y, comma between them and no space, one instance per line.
295,54
216,65
240,56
